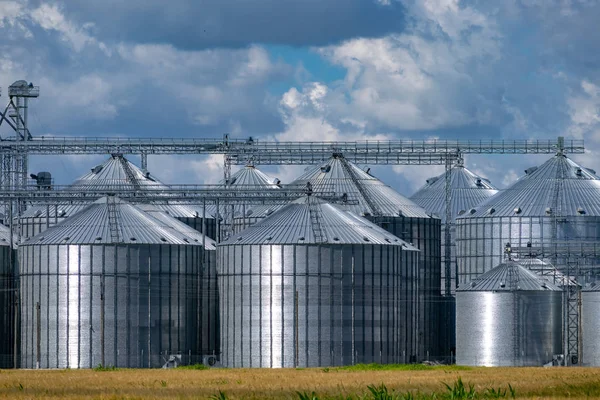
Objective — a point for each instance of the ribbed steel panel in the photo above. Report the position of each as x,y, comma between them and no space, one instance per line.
160,295
110,174
402,217
468,190
590,325
7,299
295,305
522,214
508,316
292,298
147,296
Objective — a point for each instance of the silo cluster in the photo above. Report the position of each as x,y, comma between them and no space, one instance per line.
508,316
372,199
557,201
314,285
112,285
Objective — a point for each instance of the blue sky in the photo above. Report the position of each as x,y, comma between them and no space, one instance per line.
307,70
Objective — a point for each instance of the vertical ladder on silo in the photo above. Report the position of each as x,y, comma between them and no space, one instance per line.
128,172
316,218
111,205
513,285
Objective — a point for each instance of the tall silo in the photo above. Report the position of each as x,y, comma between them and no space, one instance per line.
312,285
508,316
557,201
208,333
467,191
117,173
110,285
250,178
7,300
590,325
400,216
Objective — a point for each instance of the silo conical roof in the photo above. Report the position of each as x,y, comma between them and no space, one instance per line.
499,279
533,194
373,195
96,223
252,176
468,190
297,222
111,174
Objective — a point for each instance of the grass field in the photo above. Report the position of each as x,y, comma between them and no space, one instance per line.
401,382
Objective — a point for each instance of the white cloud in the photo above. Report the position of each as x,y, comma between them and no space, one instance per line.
50,17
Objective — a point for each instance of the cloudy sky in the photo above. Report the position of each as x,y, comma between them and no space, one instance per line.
307,70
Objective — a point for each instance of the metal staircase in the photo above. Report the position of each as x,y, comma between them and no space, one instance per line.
113,227
316,216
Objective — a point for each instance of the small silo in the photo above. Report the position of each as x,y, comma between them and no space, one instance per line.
382,205
557,201
115,173
311,286
508,316
590,325
110,285
7,300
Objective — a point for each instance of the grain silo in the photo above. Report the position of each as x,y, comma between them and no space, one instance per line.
250,178
557,201
508,316
400,216
590,325
312,285
115,173
467,191
7,300
209,295
110,285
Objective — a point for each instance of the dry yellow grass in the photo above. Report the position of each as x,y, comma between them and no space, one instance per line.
271,384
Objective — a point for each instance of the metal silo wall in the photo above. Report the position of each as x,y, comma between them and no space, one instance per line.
425,234
149,295
485,334
316,305
590,324
7,308
480,241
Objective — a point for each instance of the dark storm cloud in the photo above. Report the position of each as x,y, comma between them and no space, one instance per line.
236,23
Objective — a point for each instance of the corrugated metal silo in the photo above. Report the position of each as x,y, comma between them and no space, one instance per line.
209,295
403,218
116,172
312,285
590,325
559,200
508,316
7,299
110,285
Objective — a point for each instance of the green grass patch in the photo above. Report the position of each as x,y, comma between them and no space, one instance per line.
193,367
